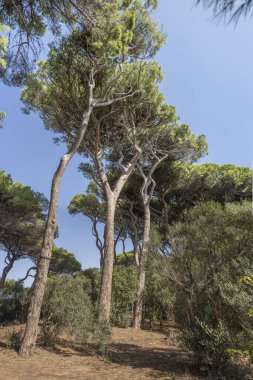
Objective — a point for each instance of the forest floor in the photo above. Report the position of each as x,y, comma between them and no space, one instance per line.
133,355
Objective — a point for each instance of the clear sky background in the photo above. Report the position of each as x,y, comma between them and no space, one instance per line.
208,77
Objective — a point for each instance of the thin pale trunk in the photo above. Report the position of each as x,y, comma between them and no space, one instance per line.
142,269
147,191
32,322
112,197
135,235
106,281
136,254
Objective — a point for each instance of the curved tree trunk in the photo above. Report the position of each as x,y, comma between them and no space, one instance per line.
5,272
106,281
32,322
142,268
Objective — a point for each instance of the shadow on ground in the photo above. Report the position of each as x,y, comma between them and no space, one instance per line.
144,352
170,363
162,361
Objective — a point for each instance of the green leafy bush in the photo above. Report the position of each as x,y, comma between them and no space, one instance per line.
93,275
15,340
210,345
212,251
14,299
124,287
67,307
101,336
157,298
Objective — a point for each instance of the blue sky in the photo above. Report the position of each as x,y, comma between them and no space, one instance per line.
207,76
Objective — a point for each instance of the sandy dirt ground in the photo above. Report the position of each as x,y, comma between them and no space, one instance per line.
134,355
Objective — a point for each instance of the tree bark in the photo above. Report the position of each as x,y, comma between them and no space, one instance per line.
142,268
166,214
106,281
5,272
32,323
111,199
135,234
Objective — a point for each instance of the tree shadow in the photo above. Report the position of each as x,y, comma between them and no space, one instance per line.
162,361
67,348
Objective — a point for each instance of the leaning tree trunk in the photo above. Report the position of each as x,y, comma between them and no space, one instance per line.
5,272
142,269
106,281
34,310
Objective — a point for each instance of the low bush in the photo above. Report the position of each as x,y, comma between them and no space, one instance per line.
14,340
67,307
124,287
14,300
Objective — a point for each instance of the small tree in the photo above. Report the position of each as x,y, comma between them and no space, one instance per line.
92,206
22,222
64,262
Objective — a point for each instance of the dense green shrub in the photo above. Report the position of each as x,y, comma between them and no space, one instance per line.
14,300
15,340
157,298
157,302
67,307
212,251
124,287
93,275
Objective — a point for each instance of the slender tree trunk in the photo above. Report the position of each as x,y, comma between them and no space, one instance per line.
135,235
166,215
99,243
142,268
106,281
5,272
136,253
34,310
111,198
147,191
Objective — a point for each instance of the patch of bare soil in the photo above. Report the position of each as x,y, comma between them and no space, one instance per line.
134,355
